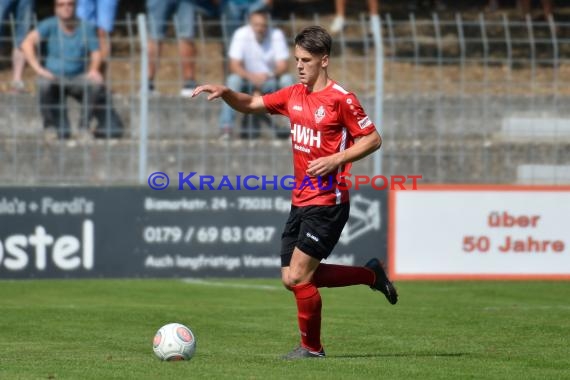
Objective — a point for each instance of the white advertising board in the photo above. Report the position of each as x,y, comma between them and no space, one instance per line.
480,232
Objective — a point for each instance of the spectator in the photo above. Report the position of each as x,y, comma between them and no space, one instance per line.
340,8
258,63
70,45
102,14
21,10
235,12
160,13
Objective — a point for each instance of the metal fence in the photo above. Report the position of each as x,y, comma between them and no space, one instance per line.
479,100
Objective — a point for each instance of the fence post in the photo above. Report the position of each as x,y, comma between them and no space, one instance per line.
440,117
555,56
143,128
462,58
485,42
376,26
532,44
366,50
390,26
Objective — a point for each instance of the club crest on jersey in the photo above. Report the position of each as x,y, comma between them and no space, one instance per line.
319,114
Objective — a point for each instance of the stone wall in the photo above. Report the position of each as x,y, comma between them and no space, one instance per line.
449,140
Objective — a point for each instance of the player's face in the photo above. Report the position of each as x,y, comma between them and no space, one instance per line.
309,66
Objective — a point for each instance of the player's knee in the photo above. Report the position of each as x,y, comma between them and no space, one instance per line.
294,279
285,281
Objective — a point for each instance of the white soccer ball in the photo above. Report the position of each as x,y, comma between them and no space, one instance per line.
174,341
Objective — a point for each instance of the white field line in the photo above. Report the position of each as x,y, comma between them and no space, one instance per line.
231,284
526,307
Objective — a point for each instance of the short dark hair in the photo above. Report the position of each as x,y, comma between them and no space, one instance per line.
314,39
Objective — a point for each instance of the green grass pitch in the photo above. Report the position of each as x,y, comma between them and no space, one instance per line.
103,329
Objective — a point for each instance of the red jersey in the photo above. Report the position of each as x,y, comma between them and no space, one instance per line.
322,123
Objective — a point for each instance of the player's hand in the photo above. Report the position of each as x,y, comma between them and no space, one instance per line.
215,91
322,166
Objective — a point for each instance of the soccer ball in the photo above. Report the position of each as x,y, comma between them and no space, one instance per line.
174,341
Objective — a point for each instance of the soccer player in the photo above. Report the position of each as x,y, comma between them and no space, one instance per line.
325,122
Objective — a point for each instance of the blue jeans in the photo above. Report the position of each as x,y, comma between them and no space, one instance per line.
237,83
160,14
98,12
22,12
235,13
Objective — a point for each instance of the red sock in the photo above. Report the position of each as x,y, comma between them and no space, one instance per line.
334,276
309,315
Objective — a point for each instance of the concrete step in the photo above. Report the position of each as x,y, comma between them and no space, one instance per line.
116,161
415,117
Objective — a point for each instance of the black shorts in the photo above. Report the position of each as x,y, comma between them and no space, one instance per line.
315,230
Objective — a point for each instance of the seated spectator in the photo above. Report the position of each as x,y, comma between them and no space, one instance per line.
102,14
235,12
70,46
21,11
258,62
160,13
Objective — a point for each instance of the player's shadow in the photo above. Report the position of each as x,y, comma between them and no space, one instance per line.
403,354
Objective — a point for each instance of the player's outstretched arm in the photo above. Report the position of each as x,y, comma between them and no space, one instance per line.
237,100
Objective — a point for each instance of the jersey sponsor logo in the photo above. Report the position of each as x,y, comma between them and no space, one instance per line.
319,114
301,148
363,123
297,108
306,136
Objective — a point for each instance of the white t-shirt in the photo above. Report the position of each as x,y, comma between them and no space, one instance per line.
258,57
